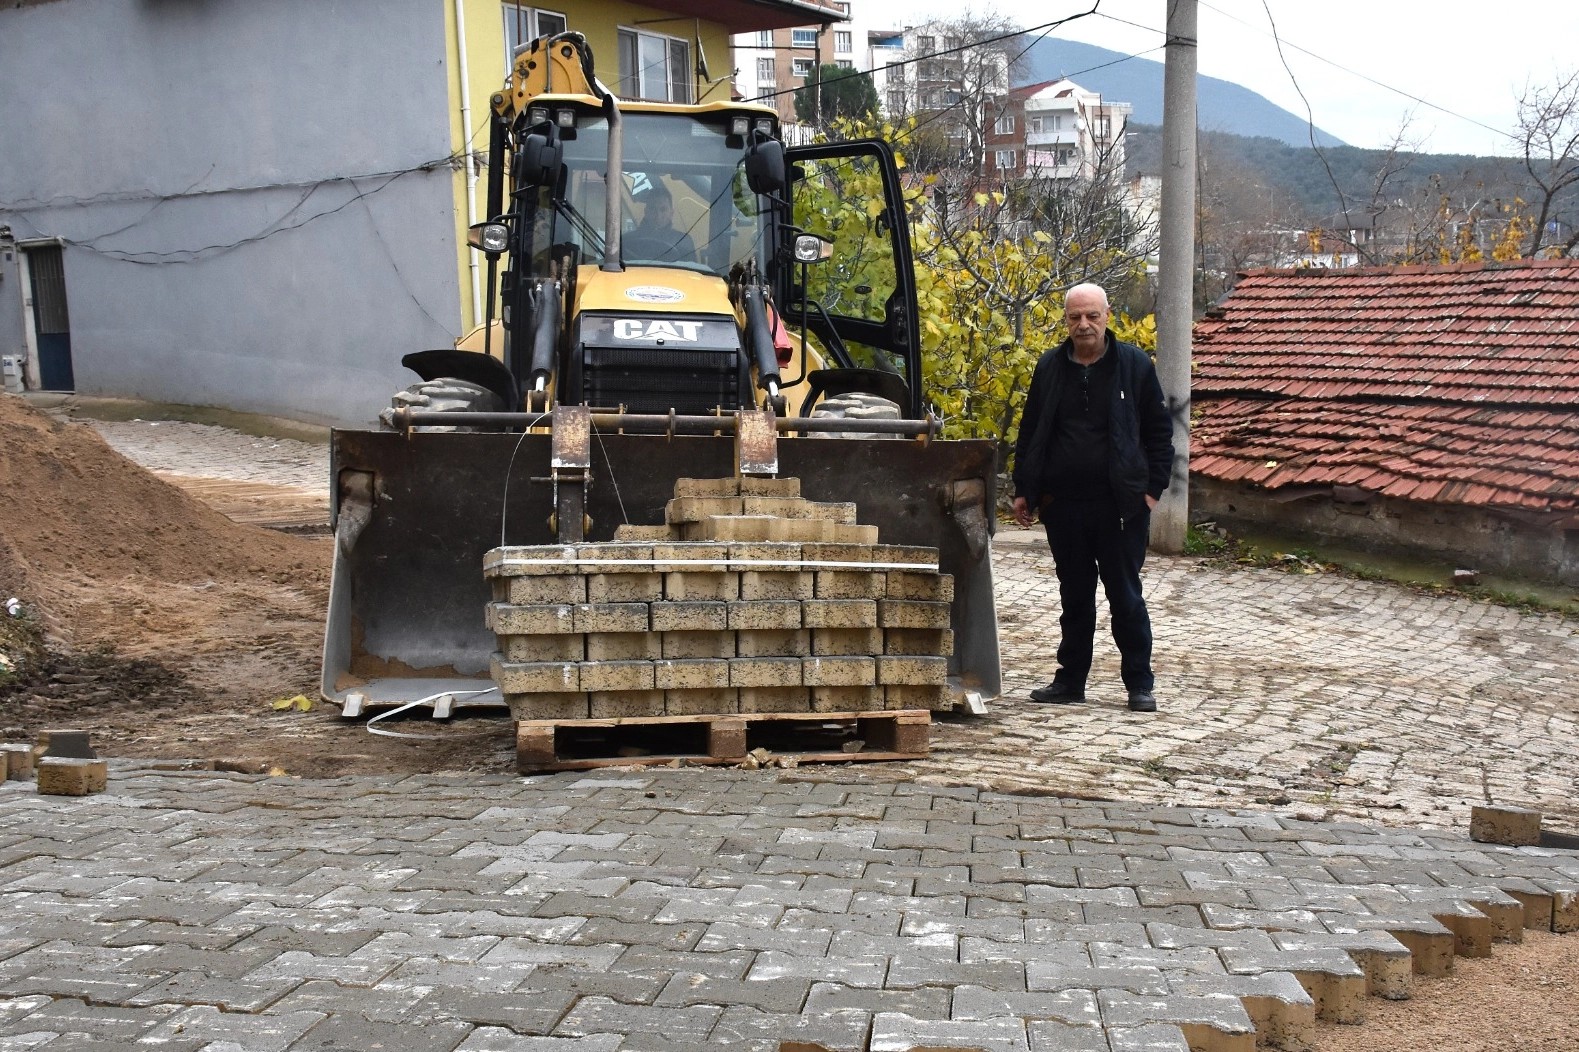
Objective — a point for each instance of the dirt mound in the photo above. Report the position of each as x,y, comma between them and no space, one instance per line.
107,554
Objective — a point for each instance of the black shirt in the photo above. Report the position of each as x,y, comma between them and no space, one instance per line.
1077,468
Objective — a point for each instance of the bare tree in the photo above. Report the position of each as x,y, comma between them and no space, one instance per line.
955,75
1549,134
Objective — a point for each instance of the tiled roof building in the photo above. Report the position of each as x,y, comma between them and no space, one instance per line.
1419,407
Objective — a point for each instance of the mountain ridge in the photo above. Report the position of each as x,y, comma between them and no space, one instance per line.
1221,105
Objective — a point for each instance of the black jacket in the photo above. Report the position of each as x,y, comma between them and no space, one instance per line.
1141,432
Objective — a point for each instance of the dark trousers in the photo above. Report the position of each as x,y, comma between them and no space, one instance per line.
1090,542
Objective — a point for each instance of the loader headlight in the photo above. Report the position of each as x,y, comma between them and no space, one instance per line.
565,118
492,238
739,125
765,125
537,115
809,248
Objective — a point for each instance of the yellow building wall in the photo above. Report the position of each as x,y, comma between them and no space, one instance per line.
484,74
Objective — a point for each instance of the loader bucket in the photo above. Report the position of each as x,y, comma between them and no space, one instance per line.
415,513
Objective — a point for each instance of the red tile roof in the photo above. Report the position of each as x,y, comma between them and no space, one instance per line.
1453,385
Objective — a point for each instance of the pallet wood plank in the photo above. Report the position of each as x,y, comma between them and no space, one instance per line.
711,739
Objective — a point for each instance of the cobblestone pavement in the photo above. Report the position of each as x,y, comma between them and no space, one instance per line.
1221,896
680,910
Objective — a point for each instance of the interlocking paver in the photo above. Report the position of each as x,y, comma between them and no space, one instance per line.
1218,887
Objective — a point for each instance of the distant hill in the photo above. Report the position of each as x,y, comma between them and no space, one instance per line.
1220,105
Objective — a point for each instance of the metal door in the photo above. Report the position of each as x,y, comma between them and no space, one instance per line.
51,324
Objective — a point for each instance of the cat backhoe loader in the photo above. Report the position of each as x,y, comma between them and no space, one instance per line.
777,336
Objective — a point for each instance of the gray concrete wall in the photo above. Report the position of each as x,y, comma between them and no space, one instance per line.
1470,538
241,190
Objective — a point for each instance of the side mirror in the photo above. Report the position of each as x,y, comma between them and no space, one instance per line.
765,168
809,248
489,238
538,162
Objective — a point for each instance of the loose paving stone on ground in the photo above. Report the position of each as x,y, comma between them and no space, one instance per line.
659,909
1285,839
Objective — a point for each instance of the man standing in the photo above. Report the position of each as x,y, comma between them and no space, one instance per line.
1093,455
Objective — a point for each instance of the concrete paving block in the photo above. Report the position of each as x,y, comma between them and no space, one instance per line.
618,551
18,760
731,528
565,647
698,644
894,1032
708,702
533,619
1281,1009
897,670
612,617
840,613
65,744
764,555
691,674
690,616
764,615
1500,824
849,584
524,560
556,588
918,641
641,586
607,676
696,509
694,584
775,699
904,553
785,642
765,672
536,677
915,697
912,613
933,587
775,584
849,533
846,698
761,486
1151,1037
623,646
1536,900
693,555
615,704
1565,905
1210,1022
722,487
1386,962
642,532
71,776
805,531
561,706
835,641
839,671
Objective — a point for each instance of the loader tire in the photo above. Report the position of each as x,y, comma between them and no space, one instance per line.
443,395
855,405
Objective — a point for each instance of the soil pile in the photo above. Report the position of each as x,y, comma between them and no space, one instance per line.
168,630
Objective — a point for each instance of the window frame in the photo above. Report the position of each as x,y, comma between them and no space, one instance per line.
629,40
511,15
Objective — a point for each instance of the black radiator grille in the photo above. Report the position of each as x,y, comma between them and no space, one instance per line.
656,380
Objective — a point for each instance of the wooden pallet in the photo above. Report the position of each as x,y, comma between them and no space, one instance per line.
810,737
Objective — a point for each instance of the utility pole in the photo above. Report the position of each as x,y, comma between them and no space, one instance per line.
1176,266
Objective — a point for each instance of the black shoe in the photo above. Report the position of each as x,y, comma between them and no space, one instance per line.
1142,701
1056,693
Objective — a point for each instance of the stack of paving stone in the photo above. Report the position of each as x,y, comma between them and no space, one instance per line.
750,599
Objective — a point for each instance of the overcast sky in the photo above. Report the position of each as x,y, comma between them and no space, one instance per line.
1465,63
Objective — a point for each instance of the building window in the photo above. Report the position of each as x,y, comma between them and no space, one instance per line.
1003,160
803,37
927,44
841,41
1004,125
845,63
842,8
522,25
764,38
654,67
802,67
1033,124
766,77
